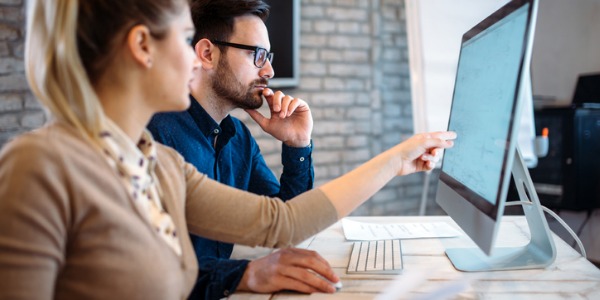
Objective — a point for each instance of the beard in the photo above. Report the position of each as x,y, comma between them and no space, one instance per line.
226,86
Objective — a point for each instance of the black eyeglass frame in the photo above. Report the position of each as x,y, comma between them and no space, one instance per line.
256,49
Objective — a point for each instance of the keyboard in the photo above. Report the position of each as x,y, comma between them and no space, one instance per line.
376,257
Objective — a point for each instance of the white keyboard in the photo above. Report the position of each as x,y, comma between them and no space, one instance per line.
376,257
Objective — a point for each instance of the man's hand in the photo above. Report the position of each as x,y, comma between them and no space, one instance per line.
291,121
289,269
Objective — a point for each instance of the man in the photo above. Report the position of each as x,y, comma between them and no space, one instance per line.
232,45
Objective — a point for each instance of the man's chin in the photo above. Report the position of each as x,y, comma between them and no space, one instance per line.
250,106
252,103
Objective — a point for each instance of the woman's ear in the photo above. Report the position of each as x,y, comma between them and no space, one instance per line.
207,53
139,42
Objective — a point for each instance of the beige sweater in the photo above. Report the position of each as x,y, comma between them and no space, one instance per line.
69,230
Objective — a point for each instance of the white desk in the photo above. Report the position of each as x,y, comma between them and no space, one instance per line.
569,277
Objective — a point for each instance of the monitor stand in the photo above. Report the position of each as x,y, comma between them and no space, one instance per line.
538,253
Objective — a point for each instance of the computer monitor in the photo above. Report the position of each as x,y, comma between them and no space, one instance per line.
490,88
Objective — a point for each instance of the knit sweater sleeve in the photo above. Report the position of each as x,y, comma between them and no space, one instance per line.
250,219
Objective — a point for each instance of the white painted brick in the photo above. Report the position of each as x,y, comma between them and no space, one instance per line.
335,170
348,41
350,70
346,14
320,170
18,49
358,113
357,141
10,102
33,120
306,26
318,69
349,27
9,122
332,142
313,40
352,3
16,82
358,156
392,28
326,128
333,99
309,55
390,14
11,2
325,157
386,195
328,55
11,14
324,26
334,84
363,127
4,50
31,102
269,145
377,121
364,99
322,2
272,159
8,33
11,65
310,83
356,84
392,54
312,12
392,111
356,56
328,113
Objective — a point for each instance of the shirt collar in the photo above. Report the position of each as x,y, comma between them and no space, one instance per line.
207,124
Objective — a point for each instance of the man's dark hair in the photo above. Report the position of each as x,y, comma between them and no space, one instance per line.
214,19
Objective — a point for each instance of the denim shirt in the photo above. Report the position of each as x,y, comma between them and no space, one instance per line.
234,160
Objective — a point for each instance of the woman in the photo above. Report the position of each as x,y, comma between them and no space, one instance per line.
92,208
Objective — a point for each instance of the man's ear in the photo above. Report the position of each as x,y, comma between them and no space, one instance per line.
207,53
139,42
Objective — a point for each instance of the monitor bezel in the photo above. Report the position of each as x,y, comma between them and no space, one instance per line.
495,210
477,217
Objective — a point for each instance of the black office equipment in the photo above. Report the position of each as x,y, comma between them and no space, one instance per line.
587,91
284,33
569,176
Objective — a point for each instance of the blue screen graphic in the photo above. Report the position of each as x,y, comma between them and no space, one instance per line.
482,107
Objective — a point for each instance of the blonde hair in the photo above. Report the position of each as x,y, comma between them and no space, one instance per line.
70,43
54,69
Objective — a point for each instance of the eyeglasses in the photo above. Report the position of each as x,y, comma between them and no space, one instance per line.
261,55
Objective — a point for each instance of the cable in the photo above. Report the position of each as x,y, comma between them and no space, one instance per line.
559,219
587,218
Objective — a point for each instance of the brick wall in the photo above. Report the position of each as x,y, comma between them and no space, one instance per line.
354,75
19,111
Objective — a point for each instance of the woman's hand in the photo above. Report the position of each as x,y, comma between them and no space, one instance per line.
420,152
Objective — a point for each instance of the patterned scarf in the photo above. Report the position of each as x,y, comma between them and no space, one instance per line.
135,167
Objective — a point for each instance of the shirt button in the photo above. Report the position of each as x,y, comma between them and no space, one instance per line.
226,293
216,131
301,158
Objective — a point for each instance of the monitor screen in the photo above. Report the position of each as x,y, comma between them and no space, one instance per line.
483,109
485,114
